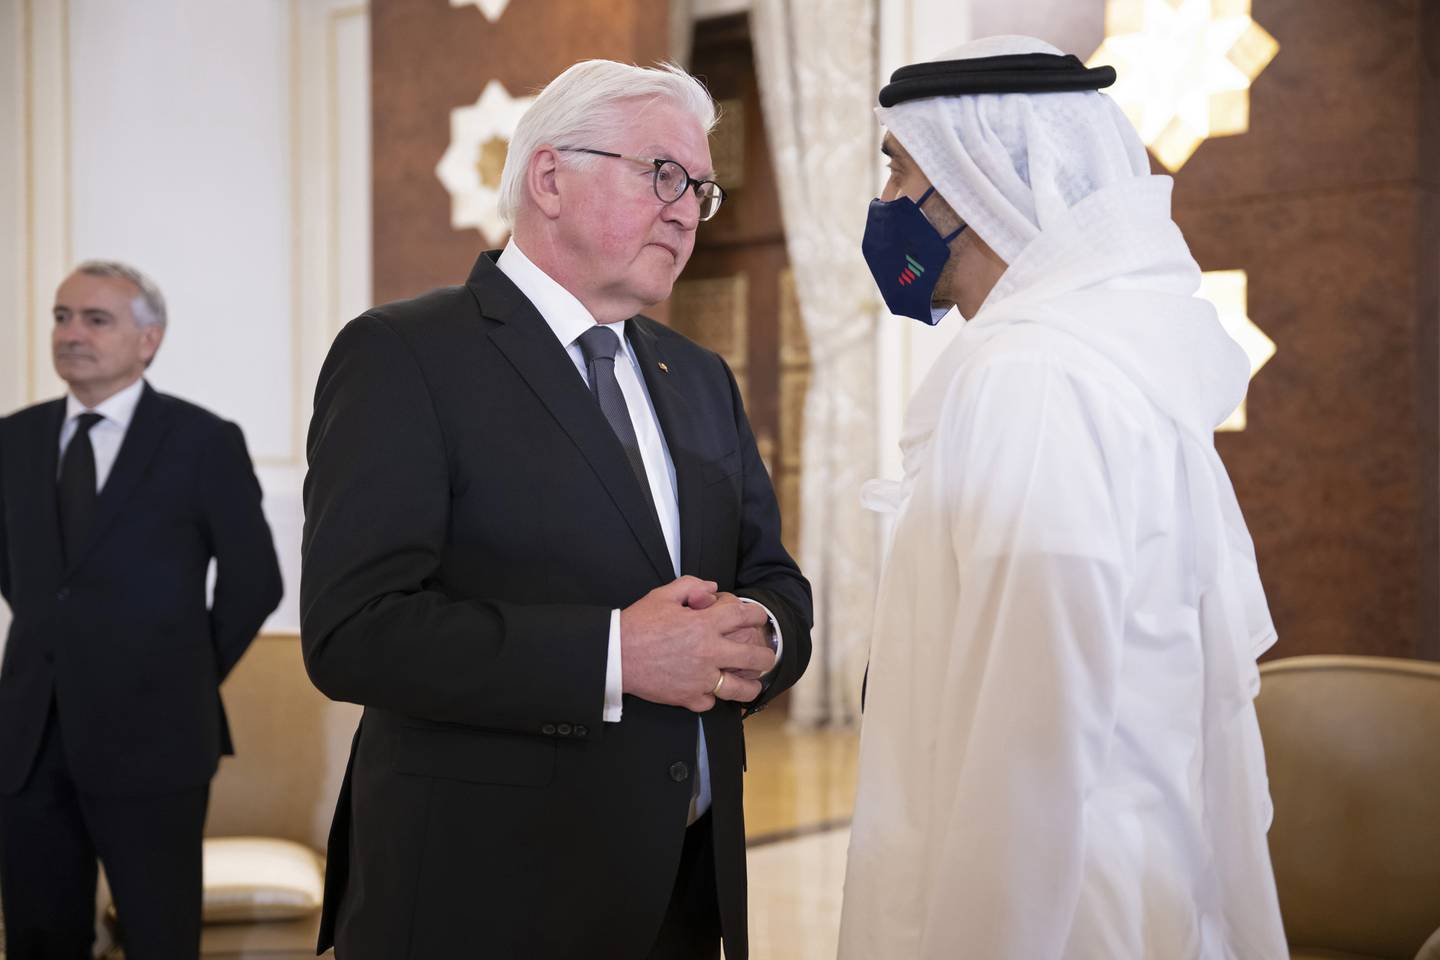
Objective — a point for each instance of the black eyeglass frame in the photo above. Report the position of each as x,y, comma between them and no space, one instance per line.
659,164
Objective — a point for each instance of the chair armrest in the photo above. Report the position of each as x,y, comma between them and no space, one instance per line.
1431,948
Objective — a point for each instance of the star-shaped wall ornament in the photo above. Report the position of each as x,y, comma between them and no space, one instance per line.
1227,290
491,8
470,168
1184,69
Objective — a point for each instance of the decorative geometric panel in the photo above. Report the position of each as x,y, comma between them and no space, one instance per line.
1184,69
470,169
1227,290
714,313
491,8
727,145
765,443
787,491
794,387
795,372
794,341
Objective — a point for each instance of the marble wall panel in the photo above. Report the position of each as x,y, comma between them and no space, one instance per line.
1336,469
1328,204
429,58
1336,108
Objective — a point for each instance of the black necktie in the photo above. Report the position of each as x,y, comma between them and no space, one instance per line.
76,489
599,345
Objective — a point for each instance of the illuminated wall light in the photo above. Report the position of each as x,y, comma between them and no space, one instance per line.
493,9
1226,289
470,169
1184,69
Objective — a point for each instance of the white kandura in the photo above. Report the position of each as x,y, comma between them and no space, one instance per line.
1060,756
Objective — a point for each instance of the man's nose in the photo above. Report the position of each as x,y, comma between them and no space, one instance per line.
685,211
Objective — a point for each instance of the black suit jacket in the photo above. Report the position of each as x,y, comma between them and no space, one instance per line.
121,636
470,522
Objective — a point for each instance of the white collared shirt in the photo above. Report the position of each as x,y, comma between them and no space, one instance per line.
107,434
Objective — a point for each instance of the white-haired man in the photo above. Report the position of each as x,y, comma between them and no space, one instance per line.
113,501
541,549
1060,756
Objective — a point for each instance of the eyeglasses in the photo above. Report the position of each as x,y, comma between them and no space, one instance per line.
671,180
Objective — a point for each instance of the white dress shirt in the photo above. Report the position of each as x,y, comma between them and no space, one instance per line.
568,320
107,434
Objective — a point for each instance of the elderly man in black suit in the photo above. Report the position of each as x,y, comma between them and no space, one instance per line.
113,501
542,550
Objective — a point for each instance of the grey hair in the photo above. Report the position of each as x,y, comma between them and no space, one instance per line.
149,307
579,107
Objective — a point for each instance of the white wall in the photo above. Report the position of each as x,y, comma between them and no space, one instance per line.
179,147
13,354
221,147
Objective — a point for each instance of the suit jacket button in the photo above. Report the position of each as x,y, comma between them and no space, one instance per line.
564,729
679,772
548,729
581,730
63,593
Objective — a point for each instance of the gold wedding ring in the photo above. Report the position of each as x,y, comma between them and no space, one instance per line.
718,684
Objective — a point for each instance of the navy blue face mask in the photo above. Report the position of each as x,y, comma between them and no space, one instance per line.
905,254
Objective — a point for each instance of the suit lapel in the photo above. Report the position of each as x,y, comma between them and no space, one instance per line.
530,346
677,424
142,439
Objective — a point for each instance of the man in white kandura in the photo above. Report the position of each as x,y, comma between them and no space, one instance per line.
1060,756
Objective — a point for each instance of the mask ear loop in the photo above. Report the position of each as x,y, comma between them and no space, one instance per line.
921,202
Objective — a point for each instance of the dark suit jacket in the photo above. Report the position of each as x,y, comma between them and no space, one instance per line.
470,522
121,636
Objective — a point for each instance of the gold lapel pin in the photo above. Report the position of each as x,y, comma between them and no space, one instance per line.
663,368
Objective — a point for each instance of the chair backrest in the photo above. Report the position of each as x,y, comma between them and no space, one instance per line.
291,746
1353,750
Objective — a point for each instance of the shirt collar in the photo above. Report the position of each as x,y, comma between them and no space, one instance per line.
564,314
118,408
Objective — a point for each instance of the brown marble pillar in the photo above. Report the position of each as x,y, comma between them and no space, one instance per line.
1331,203
1428,314
428,58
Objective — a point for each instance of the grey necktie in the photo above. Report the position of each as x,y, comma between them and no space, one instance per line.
599,345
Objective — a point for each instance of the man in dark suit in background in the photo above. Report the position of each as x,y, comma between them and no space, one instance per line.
541,549
113,500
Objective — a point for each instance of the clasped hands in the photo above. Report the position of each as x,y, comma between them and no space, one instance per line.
688,644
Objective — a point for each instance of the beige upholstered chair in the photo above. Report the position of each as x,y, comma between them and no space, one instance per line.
291,748
1353,749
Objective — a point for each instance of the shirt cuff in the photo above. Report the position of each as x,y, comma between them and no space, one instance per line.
777,641
614,698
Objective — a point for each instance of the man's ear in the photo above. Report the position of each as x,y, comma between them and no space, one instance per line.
542,181
150,337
